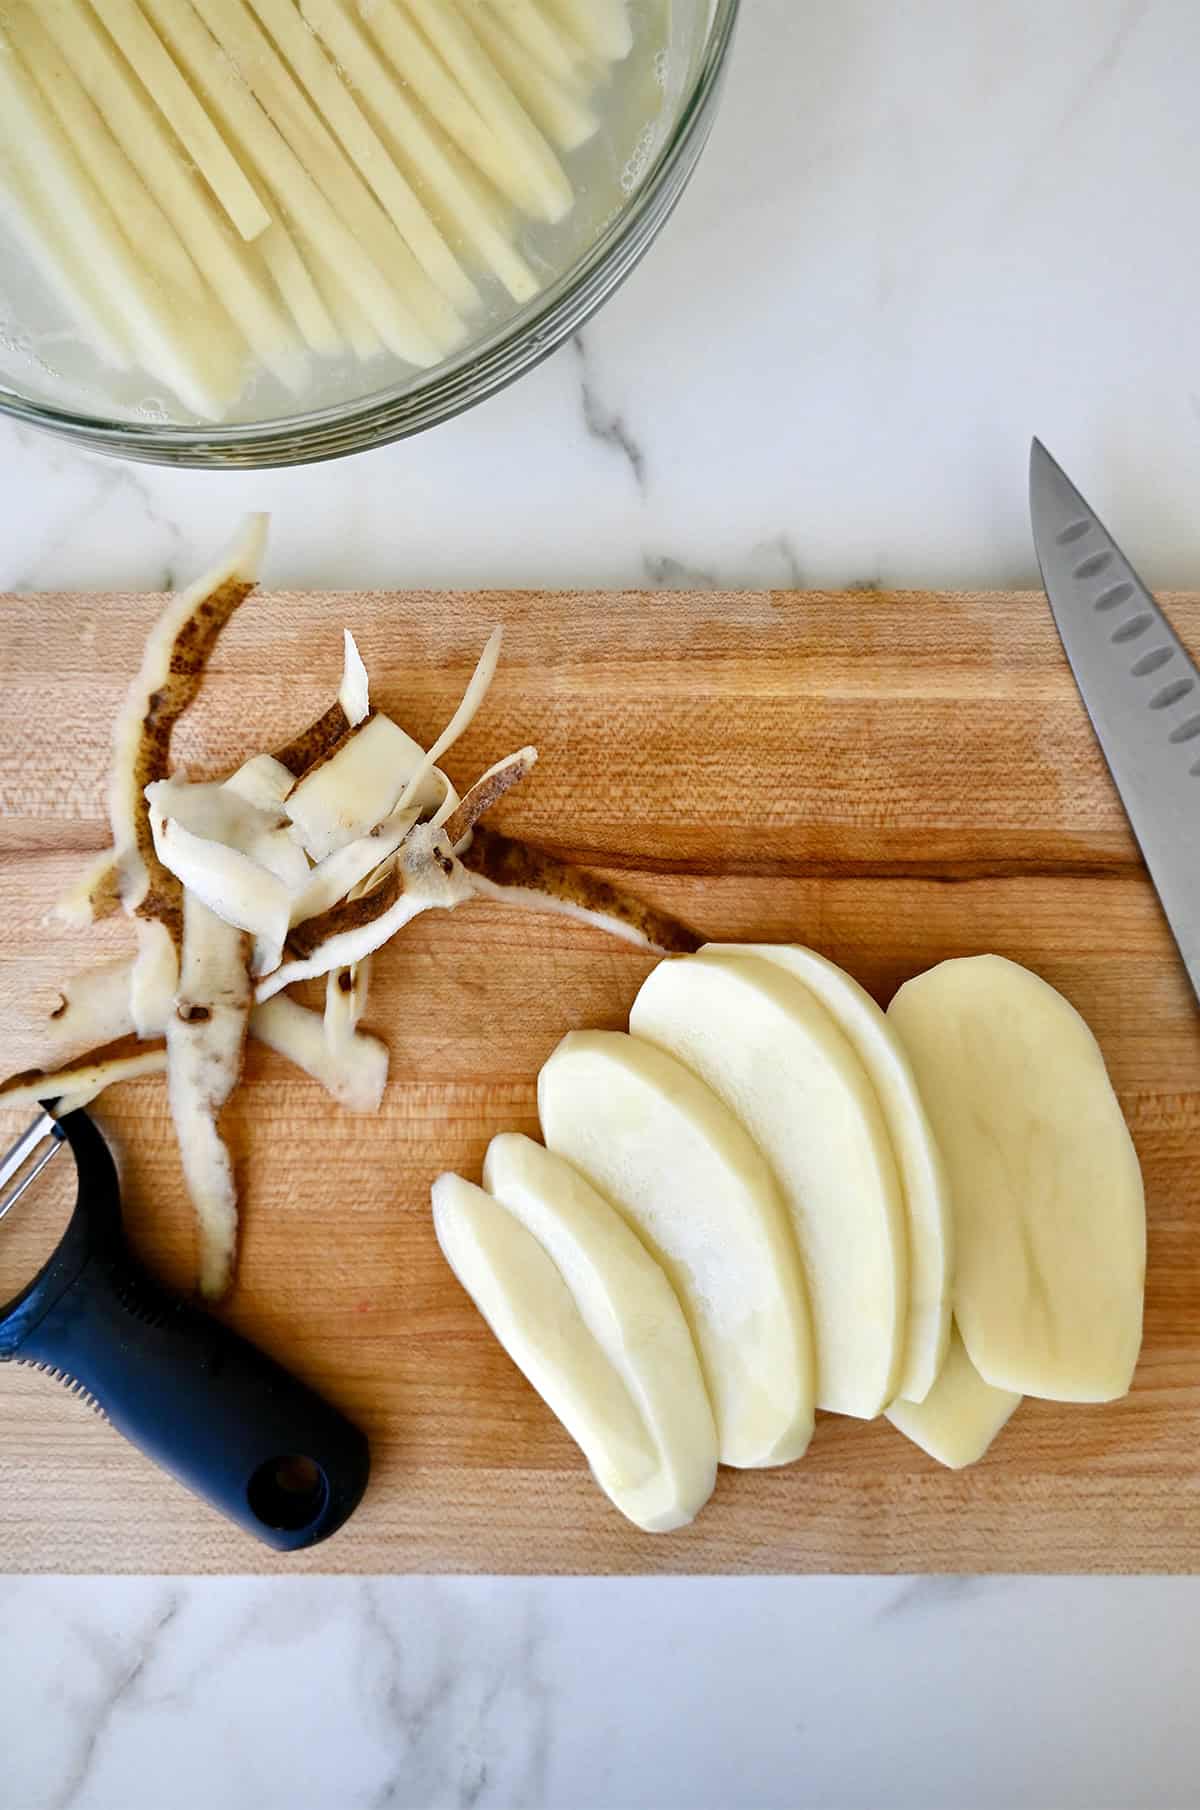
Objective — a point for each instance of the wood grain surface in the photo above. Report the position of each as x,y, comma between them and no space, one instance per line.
891,778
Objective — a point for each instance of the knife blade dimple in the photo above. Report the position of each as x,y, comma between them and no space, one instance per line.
1139,684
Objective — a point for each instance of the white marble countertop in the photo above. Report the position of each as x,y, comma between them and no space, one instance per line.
922,232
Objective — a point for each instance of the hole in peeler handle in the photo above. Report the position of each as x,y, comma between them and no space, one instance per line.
288,1493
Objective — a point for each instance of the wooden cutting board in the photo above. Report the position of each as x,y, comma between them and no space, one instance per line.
894,779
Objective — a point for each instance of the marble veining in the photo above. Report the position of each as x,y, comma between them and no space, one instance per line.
921,234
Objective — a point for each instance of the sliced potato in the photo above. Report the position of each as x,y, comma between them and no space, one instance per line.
523,1297
630,1309
961,1414
768,1048
922,1172
1047,1192
654,1141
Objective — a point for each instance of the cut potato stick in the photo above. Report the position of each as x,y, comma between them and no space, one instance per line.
143,51
354,1072
427,319
135,123
350,319
558,113
380,90
548,193
298,291
601,26
248,125
205,1037
426,76
536,37
78,1082
202,378
55,257
137,214
366,150
512,873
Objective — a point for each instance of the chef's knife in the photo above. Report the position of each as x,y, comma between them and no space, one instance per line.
1140,686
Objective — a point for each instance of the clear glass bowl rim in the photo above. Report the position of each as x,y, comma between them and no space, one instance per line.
522,342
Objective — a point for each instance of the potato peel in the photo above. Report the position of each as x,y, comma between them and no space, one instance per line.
423,876
487,791
77,1083
513,873
354,1071
93,1009
172,670
206,1034
320,852
368,775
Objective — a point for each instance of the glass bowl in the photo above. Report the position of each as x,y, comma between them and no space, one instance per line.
702,32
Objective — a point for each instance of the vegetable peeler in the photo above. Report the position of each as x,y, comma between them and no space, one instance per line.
205,1404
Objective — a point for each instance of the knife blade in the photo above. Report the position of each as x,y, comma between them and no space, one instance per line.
1139,684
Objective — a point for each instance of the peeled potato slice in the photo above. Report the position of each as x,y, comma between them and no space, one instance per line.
1048,1201
777,1059
961,1414
524,1299
654,1141
922,1173
630,1309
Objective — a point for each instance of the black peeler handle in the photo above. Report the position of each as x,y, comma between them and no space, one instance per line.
204,1403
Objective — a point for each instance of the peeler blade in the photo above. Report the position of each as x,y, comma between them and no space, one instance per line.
22,1165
